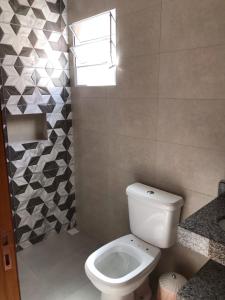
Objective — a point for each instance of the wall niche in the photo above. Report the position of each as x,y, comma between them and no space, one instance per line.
25,128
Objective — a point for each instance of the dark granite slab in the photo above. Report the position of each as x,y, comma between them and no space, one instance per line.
201,231
207,284
205,221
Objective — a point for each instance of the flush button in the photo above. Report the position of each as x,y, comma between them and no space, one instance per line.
150,192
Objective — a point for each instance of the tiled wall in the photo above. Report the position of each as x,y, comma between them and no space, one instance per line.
163,124
35,79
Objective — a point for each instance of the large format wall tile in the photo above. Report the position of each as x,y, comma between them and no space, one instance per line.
202,126
136,77
127,6
195,201
35,80
93,114
198,73
184,167
133,117
192,24
137,156
139,33
85,9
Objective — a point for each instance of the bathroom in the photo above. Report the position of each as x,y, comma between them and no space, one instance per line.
97,96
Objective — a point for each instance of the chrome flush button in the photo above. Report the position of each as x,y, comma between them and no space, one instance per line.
150,192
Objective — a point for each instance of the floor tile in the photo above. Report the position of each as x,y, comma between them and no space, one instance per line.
54,269
88,292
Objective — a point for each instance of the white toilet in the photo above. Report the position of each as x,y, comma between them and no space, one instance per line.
121,266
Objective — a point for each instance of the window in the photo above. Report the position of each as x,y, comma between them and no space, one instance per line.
94,49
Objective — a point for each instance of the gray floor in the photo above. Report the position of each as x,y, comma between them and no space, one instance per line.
54,269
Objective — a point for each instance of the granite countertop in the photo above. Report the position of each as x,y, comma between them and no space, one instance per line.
201,231
208,284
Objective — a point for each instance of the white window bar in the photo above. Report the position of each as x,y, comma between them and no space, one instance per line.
95,40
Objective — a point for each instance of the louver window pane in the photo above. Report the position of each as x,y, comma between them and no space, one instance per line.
96,76
94,49
96,27
90,54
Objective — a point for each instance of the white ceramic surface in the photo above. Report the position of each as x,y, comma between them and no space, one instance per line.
120,267
153,214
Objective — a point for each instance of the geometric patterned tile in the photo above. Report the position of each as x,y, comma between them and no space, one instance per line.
46,156
39,220
34,47
36,239
71,152
36,14
67,94
33,85
34,78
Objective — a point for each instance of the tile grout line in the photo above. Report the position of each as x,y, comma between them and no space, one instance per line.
158,92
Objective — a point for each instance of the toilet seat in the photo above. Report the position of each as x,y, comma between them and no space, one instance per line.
119,268
122,261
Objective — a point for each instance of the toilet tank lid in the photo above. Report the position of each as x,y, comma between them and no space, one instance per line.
142,191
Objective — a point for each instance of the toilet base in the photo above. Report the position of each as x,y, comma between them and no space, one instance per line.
113,297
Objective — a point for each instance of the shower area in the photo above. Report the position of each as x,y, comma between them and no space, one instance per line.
36,108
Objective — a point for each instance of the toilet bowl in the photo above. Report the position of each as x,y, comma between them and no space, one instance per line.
120,267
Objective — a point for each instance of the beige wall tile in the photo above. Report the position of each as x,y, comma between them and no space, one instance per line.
118,181
94,221
93,114
136,77
135,155
131,6
198,73
81,9
116,128
93,184
191,24
134,117
93,157
192,122
90,91
182,167
138,33
76,106
193,201
180,260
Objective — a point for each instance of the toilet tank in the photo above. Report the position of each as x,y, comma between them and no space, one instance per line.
153,214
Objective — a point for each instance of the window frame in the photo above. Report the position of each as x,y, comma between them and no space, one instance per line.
110,38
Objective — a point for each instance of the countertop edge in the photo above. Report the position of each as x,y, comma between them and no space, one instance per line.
201,245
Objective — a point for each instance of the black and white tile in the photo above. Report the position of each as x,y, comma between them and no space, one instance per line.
34,79
42,14
201,232
25,46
